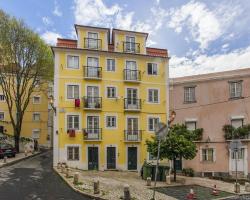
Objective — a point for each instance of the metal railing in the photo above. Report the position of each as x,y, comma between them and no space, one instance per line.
92,72
92,102
92,43
132,75
131,47
92,134
132,104
132,135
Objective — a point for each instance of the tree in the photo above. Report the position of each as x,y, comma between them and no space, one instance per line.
26,65
177,144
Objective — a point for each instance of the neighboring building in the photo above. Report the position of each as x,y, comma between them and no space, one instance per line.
35,122
109,94
211,101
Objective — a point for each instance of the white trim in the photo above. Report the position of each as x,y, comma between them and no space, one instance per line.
132,87
39,100
95,55
152,116
214,154
191,120
132,116
131,60
138,156
35,113
70,68
93,85
158,69
99,157
66,90
116,155
106,91
110,115
36,129
106,64
90,115
159,95
66,122
80,152
237,117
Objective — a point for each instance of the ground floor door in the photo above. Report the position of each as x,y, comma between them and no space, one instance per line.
178,164
1,129
111,158
238,159
132,158
93,158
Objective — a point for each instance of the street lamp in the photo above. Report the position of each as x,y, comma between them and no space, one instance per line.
161,132
52,104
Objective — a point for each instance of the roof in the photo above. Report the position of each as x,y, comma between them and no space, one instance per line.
68,43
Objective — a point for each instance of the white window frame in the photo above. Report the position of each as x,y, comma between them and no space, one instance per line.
237,119
39,99
79,89
106,121
107,64
188,95
66,121
73,153
152,117
191,121
213,155
2,112
36,130
111,86
72,55
1,94
33,116
233,86
157,69
148,92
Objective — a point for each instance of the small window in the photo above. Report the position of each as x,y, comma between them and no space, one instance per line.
73,153
36,100
111,65
2,97
73,62
1,116
72,91
36,133
111,92
235,89
152,69
189,94
111,121
191,125
152,122
36,116
153,96
73,122
208,154
236,123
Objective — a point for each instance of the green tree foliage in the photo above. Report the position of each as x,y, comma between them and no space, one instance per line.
178,144
25,61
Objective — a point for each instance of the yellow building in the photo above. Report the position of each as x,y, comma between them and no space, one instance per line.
35,122
109,92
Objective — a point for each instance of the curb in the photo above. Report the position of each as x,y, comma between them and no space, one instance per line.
76,190
22,159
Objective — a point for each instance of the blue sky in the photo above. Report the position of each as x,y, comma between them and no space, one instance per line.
201,35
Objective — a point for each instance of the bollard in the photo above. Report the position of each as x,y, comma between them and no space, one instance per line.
236,187
148,181
247,187
168,179
126,192
5,159
67,172
76,178
96,187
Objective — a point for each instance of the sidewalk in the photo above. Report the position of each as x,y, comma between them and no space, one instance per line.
19,157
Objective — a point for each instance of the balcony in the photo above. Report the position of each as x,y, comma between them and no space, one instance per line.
132,75
92,72
92,103
92,134
131,47
132,135
92,43
132,104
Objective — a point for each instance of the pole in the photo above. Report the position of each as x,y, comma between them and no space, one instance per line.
157,165
236,167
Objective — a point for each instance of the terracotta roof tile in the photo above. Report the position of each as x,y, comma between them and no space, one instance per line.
157,52
66,43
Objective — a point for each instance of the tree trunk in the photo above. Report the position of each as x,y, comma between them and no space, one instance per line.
174,160
17,139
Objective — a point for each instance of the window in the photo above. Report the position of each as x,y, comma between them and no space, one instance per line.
152,122
111,121
36,133
111,65
152,69
36,99
36,116
236,123
208,154
73,122
191,125
1,116
111,92
153,96
72,91
189,94
151,157
239,154
73,62
73,153
93,40
2,97
235,89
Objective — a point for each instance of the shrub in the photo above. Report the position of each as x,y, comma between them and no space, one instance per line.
198,133
188,172
236,133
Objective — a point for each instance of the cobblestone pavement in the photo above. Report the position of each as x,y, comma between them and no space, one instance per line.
243,197
34,179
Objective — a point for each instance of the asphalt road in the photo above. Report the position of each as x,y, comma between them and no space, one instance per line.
34,179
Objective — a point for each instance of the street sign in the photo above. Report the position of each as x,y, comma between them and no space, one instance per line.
235,145
161,130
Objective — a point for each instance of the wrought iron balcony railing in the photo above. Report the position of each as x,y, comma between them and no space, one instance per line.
92,72
93,103
92,134
132,135
132,75
132,104
131,47
92,43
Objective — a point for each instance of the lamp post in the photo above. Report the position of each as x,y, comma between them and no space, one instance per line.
52,104
161,132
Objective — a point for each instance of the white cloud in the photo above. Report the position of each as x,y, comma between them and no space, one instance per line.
57,12
47,21
204,25
200,64
50,37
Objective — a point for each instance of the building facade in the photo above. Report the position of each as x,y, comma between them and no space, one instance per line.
36,117
109,92
214,102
